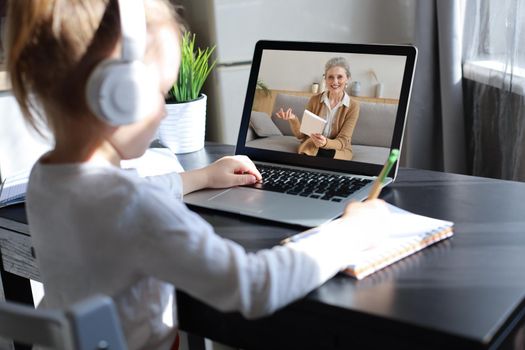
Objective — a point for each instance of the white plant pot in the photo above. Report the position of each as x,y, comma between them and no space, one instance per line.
183,128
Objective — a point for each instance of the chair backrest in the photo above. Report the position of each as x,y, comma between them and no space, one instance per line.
90,324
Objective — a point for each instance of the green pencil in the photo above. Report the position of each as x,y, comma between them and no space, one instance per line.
377,185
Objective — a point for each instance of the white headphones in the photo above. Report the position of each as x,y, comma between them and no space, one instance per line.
120,91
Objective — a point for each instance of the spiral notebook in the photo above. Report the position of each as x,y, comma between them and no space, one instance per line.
404,233
375,259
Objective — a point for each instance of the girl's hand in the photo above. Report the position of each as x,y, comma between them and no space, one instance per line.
232,171
319,140
288,115
226,172
368,215
359,216
336,244
363,209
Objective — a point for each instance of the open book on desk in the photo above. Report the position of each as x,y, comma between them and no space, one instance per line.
403,233
13,189
155,161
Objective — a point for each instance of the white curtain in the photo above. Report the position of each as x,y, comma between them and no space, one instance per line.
494,87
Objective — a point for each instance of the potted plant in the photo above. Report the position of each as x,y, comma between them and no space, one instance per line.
261,86
183,128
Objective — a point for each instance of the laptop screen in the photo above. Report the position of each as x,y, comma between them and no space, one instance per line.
330,106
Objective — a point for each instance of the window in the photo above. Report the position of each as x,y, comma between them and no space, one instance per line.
493,43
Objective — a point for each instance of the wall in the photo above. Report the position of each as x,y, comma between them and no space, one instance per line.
19,146
235,26
296,71
383,21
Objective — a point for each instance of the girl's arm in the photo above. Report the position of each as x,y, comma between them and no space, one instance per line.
175,245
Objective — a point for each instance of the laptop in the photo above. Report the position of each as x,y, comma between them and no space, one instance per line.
300,188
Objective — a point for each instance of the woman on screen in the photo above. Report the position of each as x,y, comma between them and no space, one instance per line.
335,106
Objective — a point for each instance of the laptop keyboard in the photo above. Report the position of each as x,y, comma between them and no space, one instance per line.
309,184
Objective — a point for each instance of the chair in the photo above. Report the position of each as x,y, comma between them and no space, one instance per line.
89,324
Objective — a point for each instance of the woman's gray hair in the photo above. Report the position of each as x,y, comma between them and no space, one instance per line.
338,62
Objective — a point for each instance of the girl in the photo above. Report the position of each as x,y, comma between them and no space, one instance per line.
99,229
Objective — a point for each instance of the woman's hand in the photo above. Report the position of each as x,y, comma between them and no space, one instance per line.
288,115
318,140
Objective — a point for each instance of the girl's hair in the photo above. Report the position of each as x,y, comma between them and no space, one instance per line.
52,47
338,62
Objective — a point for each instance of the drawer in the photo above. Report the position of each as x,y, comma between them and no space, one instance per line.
17,254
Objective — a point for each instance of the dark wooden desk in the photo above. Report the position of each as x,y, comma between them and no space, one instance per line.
467,292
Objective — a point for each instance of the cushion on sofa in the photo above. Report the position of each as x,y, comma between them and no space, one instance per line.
375,124
263,125
284,101
276,143
250,134
370,154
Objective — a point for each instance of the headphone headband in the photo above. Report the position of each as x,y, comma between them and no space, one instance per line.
121,91
133,27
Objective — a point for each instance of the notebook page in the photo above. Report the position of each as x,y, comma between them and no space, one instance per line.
387,237
402,223
408,233
397,248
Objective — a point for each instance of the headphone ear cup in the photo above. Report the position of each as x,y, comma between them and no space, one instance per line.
93,84
120,92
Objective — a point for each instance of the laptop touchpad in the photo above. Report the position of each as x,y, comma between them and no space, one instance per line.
240,199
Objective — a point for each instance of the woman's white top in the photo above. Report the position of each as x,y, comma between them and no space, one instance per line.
99,229
332,112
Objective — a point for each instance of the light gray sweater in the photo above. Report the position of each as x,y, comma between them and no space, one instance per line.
99,229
